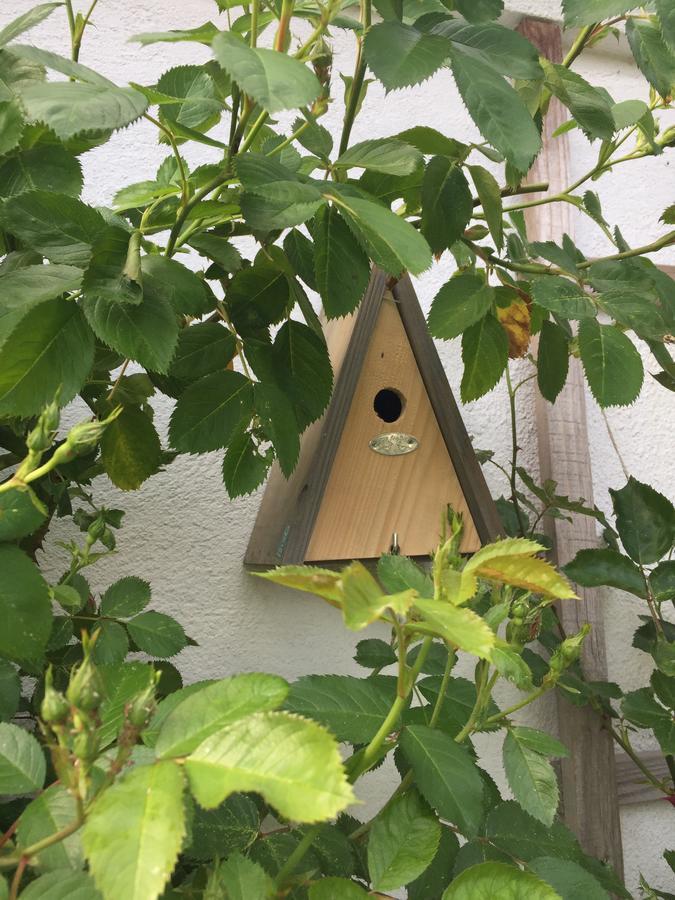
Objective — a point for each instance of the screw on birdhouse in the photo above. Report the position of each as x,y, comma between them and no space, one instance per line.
394,547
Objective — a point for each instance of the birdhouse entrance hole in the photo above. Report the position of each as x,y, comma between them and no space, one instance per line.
388,404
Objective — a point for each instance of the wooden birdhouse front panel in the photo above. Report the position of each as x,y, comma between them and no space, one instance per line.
392,472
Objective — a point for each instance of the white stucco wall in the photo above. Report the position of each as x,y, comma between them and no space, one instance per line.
185,536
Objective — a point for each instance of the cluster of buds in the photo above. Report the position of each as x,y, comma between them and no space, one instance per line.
524,622
565,655
82,438
40,439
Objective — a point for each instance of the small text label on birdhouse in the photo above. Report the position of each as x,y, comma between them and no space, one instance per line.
395,443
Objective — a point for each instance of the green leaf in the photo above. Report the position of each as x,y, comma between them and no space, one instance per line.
244,879
21,512
244,468
146,332
595,567
562,297
202,34
260,295
303,369
552,360
461,302
48,168
433,143
335,889
391,156
666,13
28,286
645,521
274,80
157,634
438,875
47,814
460,627
352,708
447,204
480,10
539,741
498,881
485,353
219,704
71,108
61,64
62,885
278,421
209,411
531,778
130,449
217,248
230,827
653,56
568,878
341,266
10,691
662,581
121,683
589,106
628,113
612,364
374,653
391,242
195,88
300,252
112,644
293,763
489,194
398,573
134,832
28,20
22,762
498,111
402,842
125,597
202,349
512,666
323,582
531,573
502,49
283,205
446,775
363,601
400,55
11,126
588,12
25,607
114,272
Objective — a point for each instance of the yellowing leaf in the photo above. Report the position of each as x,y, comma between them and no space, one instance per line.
531,573
506,547
460,627
515,320
322,582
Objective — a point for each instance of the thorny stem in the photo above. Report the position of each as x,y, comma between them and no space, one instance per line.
578,45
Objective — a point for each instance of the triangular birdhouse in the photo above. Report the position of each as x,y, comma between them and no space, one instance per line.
390,453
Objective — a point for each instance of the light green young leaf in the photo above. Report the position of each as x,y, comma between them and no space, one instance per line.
341,266
390,241
134,832
399,573
612,364
447,204
22,761
461,628
202,34
400,55
130,449
215,706
461,302
352,708
48,813
292,762
532,779
325,583
497,110
531,573
62,885
209,411
244,879
157,634
446,775
512,666
402,843
498,881
336,889
72,108
389,155
363,601
28,20
121,683
21,512
274,80
485,353
25,608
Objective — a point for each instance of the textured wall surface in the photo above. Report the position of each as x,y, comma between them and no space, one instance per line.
185,536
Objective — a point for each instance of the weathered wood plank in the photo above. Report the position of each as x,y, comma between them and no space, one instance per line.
589,785
631,784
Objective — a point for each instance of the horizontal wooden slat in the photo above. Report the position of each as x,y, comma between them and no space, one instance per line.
631,784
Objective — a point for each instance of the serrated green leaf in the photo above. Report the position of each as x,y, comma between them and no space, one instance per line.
61,64
662,581
121,682
399,573
233,826
363,601
341,266
498,111
433,143
539,741
21,512
125,598
219,249
645,520
322,582
195,89
666,13
10,690
167,281
278,421
612,364
568,878
583,12
62,885
114,270
209,411
589,106
72,108
389,155
498,881
512,667
202,34
489,194
43,167
48,813
595,567
336,889
25,607
552,360
352,708
374,653
28,20
562,297
531,778
461,302
215,706
112,644
654,58
157,634
244,467
400,55
134,832
447,204
502,49
438,875
485,353
462,628
11,126
28,286
531,573
130,449
303,370
293,763
403,841
480,10
22,762
244,879
446,776
391,242
284,204
274,80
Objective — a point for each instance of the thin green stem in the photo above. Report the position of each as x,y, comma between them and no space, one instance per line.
627,748
297,855
185,185
659,244
514,449
284,24
253,36
7,862
357,81
499,717
578,45
253,131
438,705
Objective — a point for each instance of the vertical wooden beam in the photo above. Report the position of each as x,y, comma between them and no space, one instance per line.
589,785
